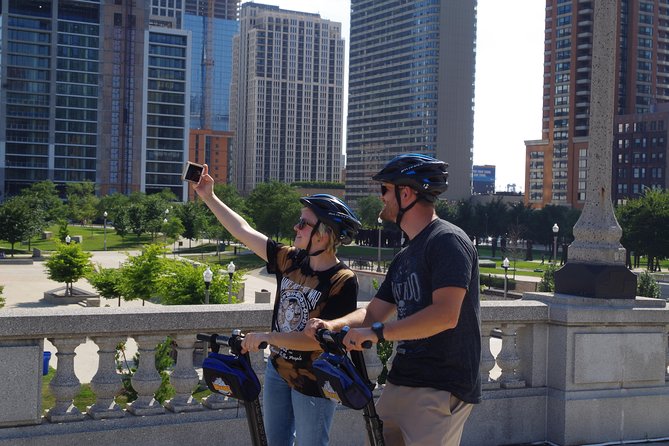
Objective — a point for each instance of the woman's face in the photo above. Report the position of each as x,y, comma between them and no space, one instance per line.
302,235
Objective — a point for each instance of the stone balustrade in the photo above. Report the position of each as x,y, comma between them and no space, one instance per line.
517,354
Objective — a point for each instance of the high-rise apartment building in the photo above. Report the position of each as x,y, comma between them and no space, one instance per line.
213,25
556,165
411,88
49,100
286,101
93,91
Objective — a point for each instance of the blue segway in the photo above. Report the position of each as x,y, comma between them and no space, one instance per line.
233,376
346,380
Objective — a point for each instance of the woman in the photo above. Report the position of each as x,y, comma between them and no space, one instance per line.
311,282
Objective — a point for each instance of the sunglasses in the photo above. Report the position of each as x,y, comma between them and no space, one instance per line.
384,190
301,223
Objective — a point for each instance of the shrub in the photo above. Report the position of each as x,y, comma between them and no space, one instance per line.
647,286
547,283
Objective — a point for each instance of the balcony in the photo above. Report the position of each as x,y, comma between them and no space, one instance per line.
560,368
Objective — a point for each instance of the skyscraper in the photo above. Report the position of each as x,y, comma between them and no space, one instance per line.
411,88
556,165
50,53
93,91
286,101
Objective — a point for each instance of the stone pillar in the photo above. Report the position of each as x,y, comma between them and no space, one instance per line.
184,377
596,265
106,383
146,380
65,385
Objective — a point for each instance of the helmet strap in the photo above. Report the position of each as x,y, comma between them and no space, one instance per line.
311,236
401,211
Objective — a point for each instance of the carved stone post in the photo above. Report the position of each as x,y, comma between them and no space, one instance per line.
184,377
106,383
146,380
65,385
508,358
596,266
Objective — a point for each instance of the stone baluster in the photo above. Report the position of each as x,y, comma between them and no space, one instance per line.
184,377
373,363
106,383
65,384
508,358
487,359
146,380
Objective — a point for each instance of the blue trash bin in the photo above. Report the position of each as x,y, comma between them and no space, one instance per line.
45,363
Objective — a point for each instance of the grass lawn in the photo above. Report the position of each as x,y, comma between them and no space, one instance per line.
93,240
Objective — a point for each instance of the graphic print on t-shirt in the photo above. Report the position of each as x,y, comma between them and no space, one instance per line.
406,288
295,303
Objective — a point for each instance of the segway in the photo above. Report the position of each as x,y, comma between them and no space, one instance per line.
233,376
346,380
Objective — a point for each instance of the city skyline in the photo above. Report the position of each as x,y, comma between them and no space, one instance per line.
509,78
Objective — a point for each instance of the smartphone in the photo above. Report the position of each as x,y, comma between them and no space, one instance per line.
192,172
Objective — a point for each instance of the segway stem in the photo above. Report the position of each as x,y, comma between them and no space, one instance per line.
252,408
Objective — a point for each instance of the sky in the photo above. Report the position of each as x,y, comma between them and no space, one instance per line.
508,84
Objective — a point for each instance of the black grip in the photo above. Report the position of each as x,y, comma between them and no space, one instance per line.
367,344
263,345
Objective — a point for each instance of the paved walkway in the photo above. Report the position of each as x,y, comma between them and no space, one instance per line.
25,286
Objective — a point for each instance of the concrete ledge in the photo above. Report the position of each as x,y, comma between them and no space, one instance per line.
10,261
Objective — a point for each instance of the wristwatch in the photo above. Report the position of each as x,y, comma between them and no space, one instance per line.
377,328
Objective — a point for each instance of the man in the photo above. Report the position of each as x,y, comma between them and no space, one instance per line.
433,285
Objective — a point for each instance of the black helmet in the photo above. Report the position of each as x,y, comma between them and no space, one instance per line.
335,214
426,175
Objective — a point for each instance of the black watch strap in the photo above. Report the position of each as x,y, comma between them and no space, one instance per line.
377,328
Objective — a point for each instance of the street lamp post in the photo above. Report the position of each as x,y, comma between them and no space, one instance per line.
165,237
378,253
505,265
556,229
231,272
207,275
105,230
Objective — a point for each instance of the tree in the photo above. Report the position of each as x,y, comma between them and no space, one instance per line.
645,224
368,211
2,298
274,207
193,217
182,284
81,201
14,217
68,264
44,195
136,219
141,274
107,282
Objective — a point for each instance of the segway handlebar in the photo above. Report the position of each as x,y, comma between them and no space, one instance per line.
333,342
234,341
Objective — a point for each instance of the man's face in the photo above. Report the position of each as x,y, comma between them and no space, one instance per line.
390,207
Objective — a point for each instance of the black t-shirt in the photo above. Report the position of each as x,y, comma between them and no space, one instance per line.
439,256
303,294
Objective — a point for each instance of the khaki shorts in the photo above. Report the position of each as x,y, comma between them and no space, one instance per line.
421,416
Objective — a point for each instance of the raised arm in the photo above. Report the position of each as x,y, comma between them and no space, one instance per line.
233,222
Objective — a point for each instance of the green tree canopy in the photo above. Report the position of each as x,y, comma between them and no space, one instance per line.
141,274
68,264
81,201
183,284
368,211
107,282
44,195
15,214
645,224
274,207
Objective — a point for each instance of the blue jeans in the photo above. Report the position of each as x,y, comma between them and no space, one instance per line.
288,414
